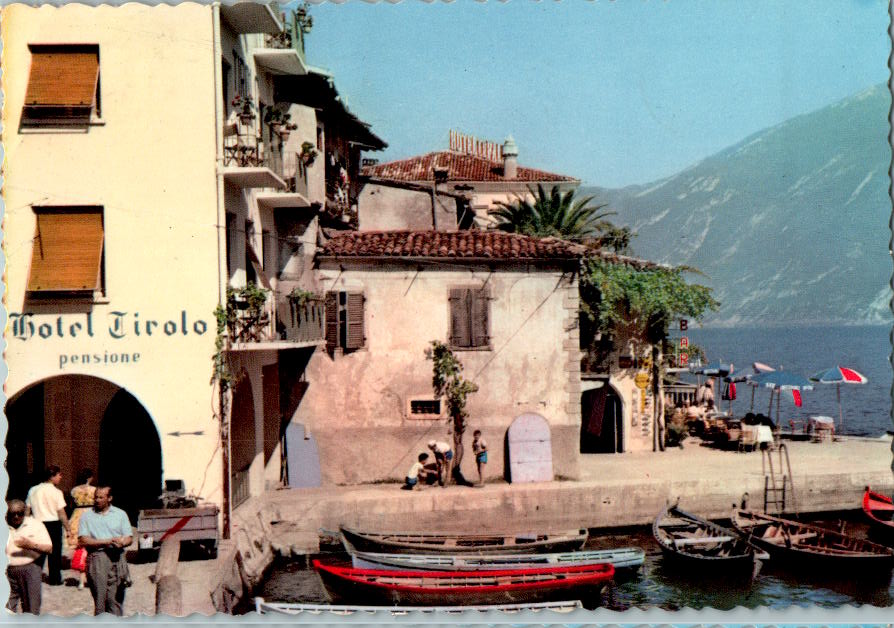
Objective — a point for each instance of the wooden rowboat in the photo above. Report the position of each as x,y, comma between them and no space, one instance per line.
880,510
262,607
629,558
699,546
464,588
811,548
434,542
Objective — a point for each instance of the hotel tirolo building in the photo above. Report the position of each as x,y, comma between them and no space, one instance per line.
166,172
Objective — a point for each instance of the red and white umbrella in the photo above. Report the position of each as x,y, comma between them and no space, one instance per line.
839,375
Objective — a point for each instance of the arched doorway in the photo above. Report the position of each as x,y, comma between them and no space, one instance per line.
129,454
79,421
602,420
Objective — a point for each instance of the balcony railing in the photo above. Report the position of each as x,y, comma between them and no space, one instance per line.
303,322
278,318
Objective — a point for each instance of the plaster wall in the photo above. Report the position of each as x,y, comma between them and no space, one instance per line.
151,166
357,403
382,208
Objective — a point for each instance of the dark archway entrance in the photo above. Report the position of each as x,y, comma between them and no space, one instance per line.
602,421
78,421
129,454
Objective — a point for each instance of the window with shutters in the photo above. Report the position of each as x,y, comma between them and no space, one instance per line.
67,255
344,320
63,85
469,318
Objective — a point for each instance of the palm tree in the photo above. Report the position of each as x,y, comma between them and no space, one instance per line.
561,216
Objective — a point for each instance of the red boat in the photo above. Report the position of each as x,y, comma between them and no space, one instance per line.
426,588
880,510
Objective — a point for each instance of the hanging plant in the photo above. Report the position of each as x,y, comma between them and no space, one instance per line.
308,154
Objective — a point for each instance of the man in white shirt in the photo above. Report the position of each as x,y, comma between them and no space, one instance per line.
47,504
444,458
27,543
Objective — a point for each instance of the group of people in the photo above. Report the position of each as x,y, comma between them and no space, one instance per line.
424,473
96,527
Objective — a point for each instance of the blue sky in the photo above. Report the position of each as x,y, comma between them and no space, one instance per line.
612,92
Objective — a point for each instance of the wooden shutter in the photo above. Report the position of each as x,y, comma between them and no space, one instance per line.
480,307
460,318
331,305
63,76
67,251
256,263
354,322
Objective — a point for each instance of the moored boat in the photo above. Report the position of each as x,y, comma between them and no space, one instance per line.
263,607
811,548
435,542
880,511
700,546
464,588
627,558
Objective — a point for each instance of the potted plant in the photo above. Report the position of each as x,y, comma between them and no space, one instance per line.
308,154
279,122
245,108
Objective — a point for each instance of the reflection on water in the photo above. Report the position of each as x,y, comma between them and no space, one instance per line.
655,585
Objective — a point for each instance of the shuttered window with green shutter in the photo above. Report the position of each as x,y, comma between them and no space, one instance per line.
469,318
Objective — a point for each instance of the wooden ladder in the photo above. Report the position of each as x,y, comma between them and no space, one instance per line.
777,487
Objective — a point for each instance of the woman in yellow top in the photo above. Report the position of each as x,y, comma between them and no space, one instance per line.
82,494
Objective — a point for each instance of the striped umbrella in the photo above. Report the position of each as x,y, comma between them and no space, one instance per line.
839,375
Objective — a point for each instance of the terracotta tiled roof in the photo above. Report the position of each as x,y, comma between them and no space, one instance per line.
449,245
460,167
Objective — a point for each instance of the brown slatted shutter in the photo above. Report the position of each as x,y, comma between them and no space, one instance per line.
480,306
331,305
67,251
354,322
460,324
63,76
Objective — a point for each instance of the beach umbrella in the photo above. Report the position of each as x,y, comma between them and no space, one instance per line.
780,380
712,368
839,375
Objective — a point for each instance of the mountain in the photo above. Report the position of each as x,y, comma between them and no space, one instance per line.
789,226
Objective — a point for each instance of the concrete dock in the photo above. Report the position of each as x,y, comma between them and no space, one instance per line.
615,490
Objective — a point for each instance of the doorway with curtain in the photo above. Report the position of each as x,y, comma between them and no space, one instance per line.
602,420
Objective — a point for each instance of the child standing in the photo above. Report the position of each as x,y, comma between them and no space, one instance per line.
417,472
479,448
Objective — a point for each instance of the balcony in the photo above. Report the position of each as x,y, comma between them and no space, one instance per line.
250,17
259,319
250,162
283,52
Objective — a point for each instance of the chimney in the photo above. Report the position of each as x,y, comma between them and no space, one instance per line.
510,159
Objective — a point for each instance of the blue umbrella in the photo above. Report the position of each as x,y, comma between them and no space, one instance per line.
712,368
777,381
781,380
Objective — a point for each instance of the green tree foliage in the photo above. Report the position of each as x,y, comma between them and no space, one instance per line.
448,381
644,300
562,216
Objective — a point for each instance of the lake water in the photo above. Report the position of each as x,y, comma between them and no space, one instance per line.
653,586
807,350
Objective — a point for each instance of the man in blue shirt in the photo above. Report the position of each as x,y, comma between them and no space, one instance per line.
106,533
